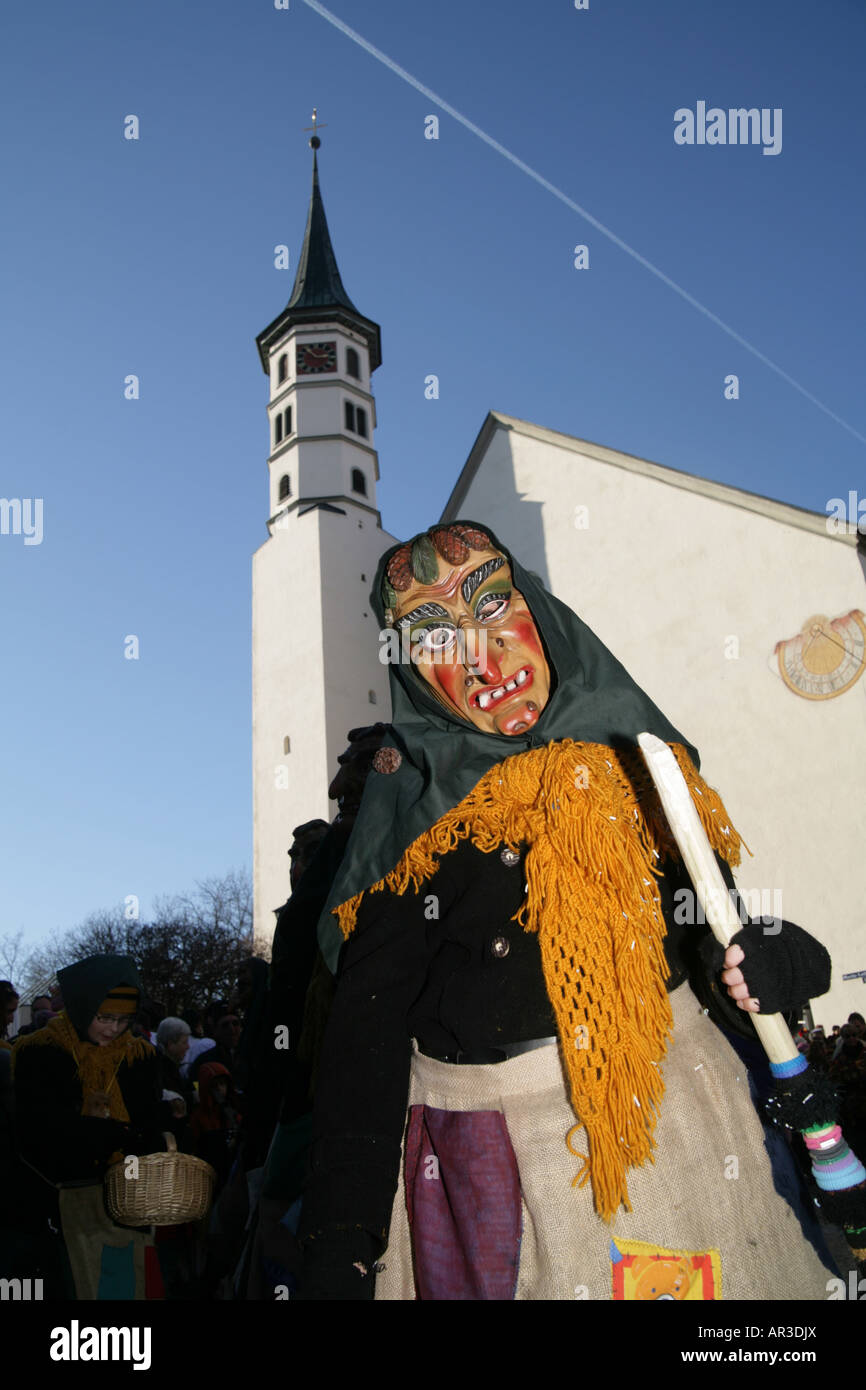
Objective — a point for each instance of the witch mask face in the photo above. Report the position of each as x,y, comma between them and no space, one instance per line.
471,635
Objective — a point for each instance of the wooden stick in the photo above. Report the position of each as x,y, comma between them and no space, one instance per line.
710,887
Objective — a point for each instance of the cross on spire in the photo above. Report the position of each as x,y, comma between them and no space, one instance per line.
315,142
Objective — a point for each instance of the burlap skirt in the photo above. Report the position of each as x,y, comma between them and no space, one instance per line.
706,1219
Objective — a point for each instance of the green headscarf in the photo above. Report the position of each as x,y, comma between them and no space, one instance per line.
592,699
86,984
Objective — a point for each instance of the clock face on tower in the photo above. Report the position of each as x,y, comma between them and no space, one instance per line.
314,358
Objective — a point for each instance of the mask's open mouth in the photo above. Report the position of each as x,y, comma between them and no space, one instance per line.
488,697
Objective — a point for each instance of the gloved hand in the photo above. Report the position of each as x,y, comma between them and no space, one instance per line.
770,972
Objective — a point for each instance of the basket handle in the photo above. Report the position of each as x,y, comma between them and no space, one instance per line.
170,1142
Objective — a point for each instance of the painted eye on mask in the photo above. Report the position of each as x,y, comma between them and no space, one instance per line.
493,606
433,641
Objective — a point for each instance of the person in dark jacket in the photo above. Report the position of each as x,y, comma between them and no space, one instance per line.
227,1034
497,1069
285,1048
87,1094
40,1014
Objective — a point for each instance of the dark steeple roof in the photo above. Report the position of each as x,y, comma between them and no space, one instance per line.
318,283
319,293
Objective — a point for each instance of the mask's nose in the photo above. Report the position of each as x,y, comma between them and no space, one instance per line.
483,665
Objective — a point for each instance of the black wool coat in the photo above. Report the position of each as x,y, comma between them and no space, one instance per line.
66,1146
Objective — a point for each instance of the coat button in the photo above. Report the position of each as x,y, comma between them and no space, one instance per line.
500,946
509,857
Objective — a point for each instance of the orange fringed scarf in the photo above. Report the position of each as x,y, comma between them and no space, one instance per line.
596,836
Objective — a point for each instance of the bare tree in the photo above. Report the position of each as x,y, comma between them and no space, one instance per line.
222,903
39,972
29,968
188,955
12,954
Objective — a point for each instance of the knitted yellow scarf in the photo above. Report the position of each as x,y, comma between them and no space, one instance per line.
596,837
97,1066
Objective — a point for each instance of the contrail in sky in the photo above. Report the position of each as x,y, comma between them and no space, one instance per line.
576,207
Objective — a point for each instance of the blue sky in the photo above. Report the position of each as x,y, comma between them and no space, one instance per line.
155,257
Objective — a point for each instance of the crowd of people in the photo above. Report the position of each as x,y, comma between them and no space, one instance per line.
97,1075
101,1072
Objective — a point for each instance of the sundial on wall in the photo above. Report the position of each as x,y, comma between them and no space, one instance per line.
826,657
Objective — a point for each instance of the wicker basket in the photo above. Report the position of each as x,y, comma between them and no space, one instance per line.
171,1188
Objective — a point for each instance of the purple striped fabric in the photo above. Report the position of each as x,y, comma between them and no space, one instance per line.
463,1200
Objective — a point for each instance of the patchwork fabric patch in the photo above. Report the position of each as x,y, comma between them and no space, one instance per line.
645,1273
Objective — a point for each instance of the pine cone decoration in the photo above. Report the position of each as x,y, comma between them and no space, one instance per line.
400,569
449,545
477,540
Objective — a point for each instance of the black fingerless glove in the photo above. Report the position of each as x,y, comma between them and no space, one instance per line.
782,969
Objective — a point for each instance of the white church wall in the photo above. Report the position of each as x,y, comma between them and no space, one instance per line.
692,593
315,661
288,676
317,408
351,547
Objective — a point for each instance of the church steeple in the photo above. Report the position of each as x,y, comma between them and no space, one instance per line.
318,292
316,667
320,354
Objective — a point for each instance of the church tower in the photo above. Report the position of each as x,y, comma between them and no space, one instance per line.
316,672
